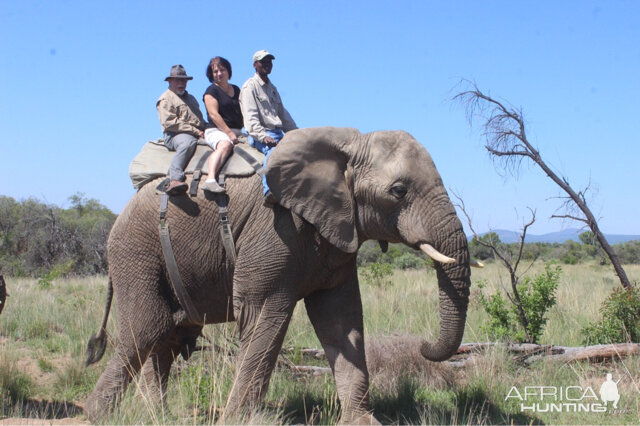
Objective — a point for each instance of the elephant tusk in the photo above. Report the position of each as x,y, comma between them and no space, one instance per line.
476,264
435,254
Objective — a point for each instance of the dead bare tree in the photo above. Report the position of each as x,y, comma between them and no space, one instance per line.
506,140
511,264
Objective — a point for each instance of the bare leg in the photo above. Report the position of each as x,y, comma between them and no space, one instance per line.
219,156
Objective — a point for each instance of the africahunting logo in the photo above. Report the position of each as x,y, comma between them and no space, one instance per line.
569,399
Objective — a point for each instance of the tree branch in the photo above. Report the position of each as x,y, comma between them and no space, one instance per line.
567,216
514,297
504,126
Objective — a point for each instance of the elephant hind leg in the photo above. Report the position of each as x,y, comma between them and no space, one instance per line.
144,323
155,371
112,383
154,376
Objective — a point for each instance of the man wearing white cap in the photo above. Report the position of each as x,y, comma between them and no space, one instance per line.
265,117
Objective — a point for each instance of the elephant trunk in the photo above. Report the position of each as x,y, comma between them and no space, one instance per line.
453,282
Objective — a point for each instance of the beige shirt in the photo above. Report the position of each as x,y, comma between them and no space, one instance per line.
180,114
262,108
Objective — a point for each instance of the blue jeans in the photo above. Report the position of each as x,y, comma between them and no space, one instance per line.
277,134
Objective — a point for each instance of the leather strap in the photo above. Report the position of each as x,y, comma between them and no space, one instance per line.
174,275
225,228
222,200
257,166
172,266
197,174
162,186
164,206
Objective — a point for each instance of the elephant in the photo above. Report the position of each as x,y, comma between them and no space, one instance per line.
335,189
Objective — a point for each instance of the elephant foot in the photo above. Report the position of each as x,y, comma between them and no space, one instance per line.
97,408
151,391
359,419
235,416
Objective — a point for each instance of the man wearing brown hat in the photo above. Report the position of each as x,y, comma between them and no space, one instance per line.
265,117
182,124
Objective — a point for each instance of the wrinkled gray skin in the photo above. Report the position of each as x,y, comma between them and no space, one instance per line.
337,188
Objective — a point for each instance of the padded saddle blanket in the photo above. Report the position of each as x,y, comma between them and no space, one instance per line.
154,160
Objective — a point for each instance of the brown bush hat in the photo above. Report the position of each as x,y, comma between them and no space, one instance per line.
178,71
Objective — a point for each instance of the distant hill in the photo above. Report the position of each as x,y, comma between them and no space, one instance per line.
509,237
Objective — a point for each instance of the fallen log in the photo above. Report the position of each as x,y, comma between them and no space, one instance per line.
520,348
470,353
307,352
316,353
529,352
310,369
596,353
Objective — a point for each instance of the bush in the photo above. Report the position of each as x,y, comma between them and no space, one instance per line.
500,323
537,296
377,274
56,272
398,255
628,252
200,388
37,239
481,252
620,321
409,261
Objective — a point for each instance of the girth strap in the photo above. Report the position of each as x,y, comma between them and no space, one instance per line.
225,230
249,159
172,266
222,201
197,174
225,227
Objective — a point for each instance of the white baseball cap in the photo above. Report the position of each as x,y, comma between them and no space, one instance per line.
261,54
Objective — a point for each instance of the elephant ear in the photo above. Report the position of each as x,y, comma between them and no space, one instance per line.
306,174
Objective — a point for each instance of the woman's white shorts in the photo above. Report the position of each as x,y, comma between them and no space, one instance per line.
214,135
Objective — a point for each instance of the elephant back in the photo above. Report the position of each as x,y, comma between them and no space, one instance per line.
154,159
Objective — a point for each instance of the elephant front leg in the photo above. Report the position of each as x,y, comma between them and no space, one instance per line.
261,330
336,316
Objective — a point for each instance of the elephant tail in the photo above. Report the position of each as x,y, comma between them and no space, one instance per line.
98,342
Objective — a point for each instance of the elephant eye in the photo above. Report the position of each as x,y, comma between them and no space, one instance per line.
398,190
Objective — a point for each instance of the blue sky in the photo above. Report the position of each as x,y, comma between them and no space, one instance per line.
79,82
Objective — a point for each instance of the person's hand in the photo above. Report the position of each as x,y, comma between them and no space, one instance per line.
269,141
232,136
201,134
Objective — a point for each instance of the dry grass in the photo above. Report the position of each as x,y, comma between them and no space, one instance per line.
43,333
390,358
581,291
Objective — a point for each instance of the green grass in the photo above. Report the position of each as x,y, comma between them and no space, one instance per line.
44,331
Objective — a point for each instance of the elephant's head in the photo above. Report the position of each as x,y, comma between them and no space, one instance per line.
382,186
